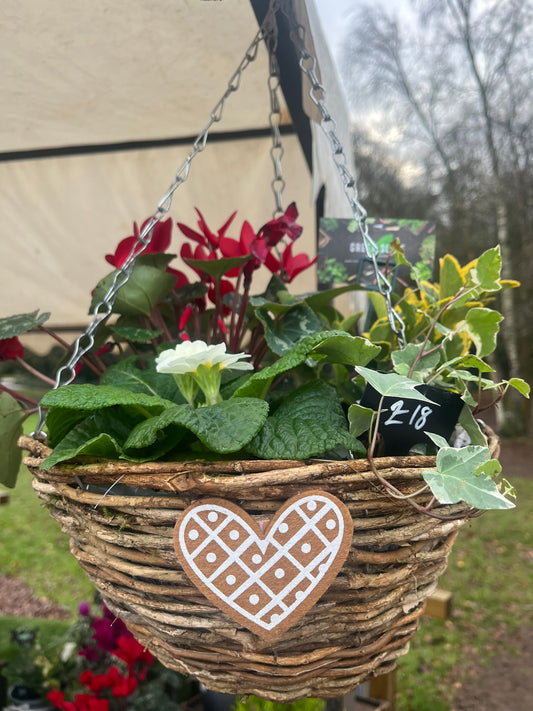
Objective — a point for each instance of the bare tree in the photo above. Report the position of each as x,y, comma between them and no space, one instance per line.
456,74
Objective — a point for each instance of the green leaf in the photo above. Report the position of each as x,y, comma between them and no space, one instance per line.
360,419
346,349
349,323
224,427
487,270
258,384
437,439
127,376
72,404
95,397
450,278
492,468
392,384
482,325
146,287
12,326
329,224
404,359
216,268
456,479
136,335
471,427
99,435
60,421
11,418
310,421
379,304
470,361
153,438
320,299
286,331
520,385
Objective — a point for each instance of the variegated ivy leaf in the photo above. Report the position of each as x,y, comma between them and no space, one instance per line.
403,361
360,419
460,476
482,325
469,423
487,270
520,385
346,349
392,384
471,361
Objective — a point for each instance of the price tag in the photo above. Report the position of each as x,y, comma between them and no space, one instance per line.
403,421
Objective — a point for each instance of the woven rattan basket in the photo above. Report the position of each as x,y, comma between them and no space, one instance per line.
358,629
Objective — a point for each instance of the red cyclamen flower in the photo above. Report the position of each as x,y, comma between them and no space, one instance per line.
206,237
291,265
274,230
11,348
160,242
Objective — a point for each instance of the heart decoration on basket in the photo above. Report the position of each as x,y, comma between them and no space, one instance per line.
265,581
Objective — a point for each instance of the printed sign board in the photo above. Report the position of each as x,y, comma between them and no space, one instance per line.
342,257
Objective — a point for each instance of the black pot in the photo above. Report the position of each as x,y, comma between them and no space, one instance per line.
23,696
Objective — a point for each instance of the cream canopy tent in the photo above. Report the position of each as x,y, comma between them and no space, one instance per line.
101,102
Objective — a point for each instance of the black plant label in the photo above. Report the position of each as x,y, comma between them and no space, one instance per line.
404,422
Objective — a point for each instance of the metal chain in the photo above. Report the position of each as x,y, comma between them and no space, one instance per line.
276,151
102,310
318,95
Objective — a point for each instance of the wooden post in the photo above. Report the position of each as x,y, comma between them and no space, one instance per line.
382,689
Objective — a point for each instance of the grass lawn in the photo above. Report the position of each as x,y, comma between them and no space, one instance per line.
34,549
50,634
488,576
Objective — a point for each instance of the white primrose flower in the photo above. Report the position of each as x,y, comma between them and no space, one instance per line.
194,363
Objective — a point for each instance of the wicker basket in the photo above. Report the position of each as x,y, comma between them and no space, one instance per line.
358,629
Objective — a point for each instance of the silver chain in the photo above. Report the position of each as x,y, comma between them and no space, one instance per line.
276,151
329,128
103,308
85,341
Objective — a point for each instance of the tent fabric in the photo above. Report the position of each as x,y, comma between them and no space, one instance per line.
60,217
112,71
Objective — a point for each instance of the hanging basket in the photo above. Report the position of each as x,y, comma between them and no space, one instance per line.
359,627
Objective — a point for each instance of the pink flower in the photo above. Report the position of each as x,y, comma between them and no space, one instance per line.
84,609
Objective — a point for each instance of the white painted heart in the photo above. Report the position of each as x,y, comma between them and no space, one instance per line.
264,581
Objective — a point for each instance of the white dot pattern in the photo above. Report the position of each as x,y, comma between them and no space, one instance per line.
295,579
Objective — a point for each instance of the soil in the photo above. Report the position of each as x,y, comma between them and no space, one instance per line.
18,600
506,685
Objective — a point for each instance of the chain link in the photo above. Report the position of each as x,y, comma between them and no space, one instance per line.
329,127
102,310
267,32
276,151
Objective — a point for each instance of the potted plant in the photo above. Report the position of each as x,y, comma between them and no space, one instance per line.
214,390
96,664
